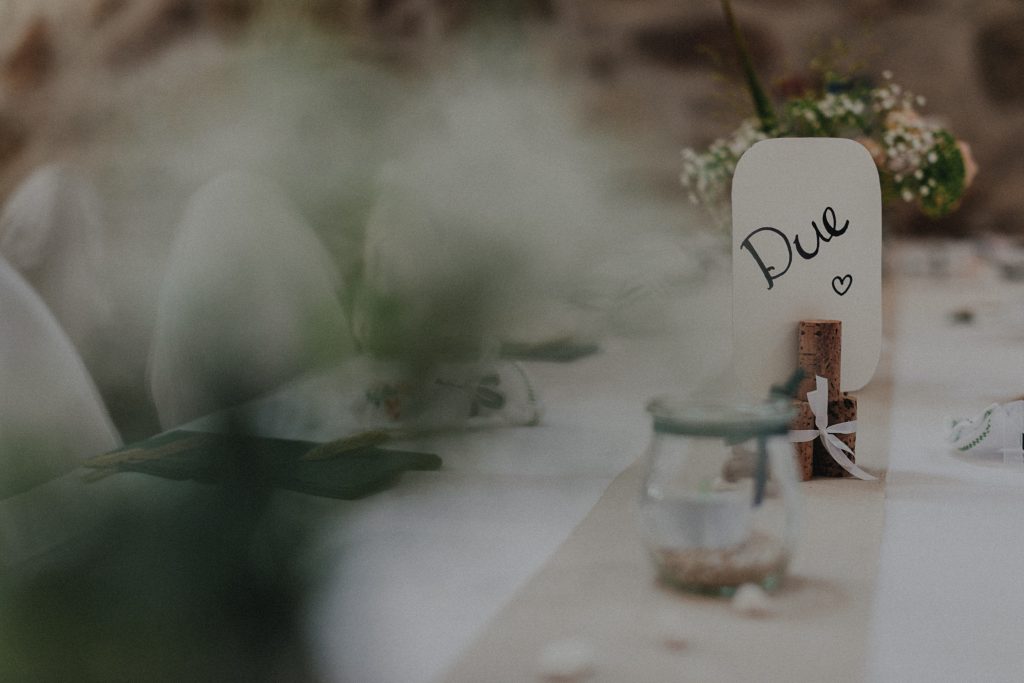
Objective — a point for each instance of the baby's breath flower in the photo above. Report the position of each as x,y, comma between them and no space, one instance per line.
918,160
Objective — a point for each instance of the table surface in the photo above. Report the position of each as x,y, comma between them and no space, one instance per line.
464,547
429,563
426,574
921,584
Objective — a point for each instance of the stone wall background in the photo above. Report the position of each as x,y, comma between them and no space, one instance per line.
966,58
129,91
659,73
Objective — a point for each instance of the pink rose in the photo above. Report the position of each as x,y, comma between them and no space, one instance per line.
970,165
903,118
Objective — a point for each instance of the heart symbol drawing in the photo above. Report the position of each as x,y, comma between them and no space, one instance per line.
841,285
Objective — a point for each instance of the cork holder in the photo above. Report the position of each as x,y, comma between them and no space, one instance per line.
820,354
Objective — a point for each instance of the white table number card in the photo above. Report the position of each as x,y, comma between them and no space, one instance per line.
806,244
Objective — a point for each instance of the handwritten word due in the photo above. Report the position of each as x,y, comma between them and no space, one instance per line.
773,271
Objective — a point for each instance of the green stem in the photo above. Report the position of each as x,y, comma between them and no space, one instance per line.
761,471
763,107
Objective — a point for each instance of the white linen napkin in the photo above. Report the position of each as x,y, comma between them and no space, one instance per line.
999,429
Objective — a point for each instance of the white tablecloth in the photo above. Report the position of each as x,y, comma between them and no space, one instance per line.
950,598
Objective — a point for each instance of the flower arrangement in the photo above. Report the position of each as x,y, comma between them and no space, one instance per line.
918,160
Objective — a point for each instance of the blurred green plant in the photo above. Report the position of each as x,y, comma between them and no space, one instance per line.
208,586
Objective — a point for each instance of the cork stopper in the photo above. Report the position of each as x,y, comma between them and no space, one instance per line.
820,353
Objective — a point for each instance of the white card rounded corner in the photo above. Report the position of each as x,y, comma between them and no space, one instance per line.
807,188
866,373
749,158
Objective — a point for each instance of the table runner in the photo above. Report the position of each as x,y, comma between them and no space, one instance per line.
600,586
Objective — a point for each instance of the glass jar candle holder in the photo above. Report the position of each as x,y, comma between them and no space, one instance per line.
720,502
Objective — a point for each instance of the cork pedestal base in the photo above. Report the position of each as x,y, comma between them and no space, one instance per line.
819,345
812,460
804,450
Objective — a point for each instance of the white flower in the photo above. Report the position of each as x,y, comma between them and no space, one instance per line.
907,195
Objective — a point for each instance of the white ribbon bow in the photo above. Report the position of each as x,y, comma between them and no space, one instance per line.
818,400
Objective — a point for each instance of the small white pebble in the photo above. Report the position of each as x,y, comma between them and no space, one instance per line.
751,600
566,661
671,629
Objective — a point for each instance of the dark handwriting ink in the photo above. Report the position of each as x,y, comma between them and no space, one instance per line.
825,233
767,270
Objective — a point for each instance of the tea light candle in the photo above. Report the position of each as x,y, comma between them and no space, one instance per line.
705,520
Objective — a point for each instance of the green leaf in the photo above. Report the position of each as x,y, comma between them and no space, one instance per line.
351,471
762,105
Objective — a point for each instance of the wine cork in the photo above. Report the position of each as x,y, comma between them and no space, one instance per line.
842,410
803,450
820,353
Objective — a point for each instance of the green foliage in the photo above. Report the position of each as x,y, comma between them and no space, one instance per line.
949,175
918,160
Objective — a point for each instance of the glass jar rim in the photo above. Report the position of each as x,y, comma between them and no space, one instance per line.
675,415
